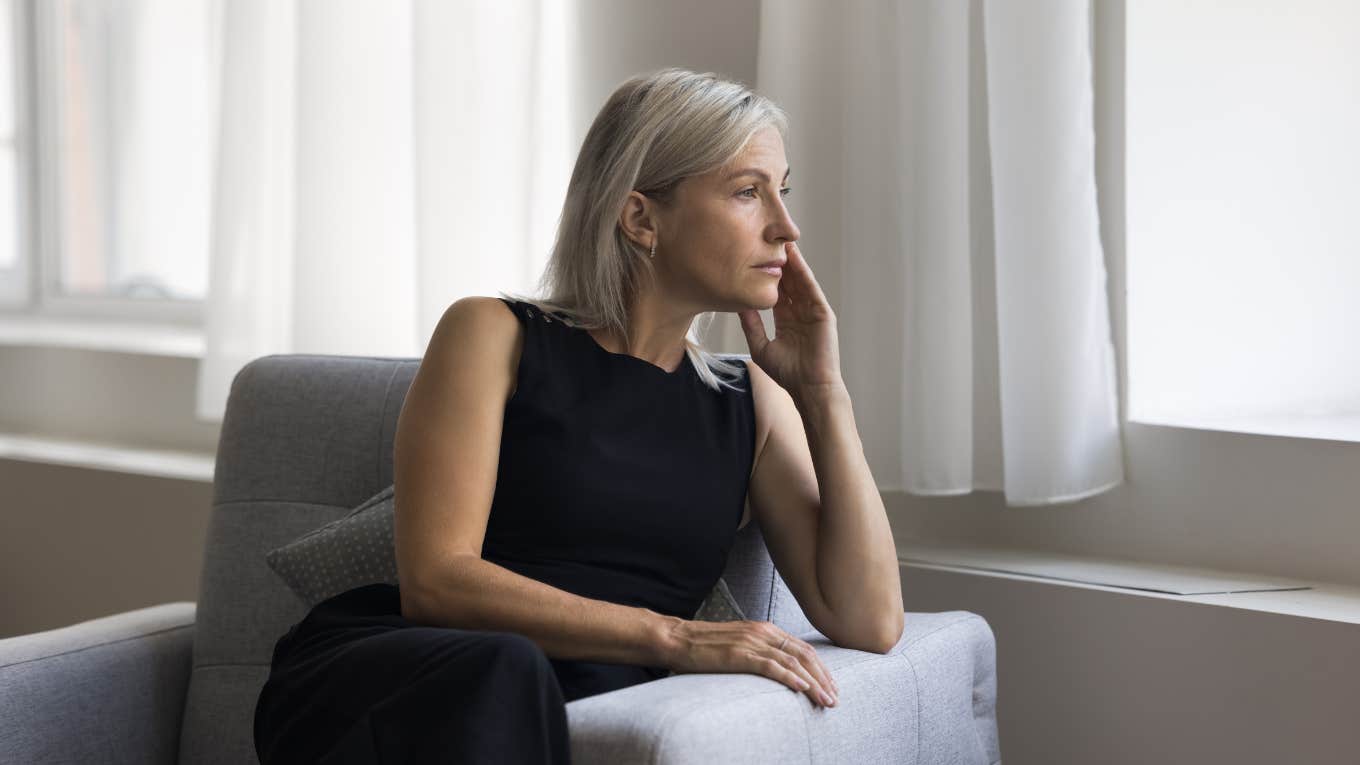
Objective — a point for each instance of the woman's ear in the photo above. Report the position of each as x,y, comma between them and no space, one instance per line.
636,219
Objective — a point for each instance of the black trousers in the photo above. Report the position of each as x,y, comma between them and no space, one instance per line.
354,682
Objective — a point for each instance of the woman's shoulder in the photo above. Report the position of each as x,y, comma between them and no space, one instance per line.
478,327
486,313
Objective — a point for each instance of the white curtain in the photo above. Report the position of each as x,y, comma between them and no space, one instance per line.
376,161
942,157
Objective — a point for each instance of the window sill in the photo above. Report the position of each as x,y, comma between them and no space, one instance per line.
179,464
1325,427
1279,595
151,339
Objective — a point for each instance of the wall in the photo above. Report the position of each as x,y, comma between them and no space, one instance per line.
76,544
1098,675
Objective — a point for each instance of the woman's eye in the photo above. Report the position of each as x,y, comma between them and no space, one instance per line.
784,191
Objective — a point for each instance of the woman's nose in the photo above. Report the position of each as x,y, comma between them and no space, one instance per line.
784,224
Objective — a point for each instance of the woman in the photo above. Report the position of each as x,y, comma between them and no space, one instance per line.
571,471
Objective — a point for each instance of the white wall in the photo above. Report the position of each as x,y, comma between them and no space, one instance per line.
1089,674
77,543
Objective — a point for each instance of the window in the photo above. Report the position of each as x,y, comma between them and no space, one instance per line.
1242,253
9,140
123,112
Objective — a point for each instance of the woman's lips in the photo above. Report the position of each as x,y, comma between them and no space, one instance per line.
771,270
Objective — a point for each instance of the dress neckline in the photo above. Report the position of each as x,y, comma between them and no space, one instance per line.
684,360
677,373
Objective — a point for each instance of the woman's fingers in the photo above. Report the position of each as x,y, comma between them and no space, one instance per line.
808,656
808,287
793,656
807,682
777,668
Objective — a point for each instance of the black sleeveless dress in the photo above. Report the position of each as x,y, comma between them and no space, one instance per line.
617,481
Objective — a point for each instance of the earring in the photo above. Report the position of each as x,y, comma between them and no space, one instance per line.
653,255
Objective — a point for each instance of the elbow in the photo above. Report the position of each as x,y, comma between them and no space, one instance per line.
877,632
418,599
880,639
412,609
428,592
891,634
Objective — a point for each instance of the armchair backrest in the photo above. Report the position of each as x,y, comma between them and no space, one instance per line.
306,438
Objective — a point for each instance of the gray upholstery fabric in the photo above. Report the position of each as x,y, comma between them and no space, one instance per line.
108,690
360,549
929,700
307,438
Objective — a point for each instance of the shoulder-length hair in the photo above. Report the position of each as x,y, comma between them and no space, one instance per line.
655,130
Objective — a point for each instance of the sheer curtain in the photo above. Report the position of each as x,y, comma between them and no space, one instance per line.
375,161
943,166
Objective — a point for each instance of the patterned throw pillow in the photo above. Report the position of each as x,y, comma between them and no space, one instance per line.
350,552
359,549
719,606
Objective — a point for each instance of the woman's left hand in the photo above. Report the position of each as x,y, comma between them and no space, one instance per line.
805,352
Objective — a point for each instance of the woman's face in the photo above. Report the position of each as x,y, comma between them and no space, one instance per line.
722,225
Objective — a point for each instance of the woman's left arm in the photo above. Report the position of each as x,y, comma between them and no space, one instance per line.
830,526
857,567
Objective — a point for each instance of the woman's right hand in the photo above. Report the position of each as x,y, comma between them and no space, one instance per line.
758,648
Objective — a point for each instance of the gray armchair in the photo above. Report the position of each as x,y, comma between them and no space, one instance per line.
305,439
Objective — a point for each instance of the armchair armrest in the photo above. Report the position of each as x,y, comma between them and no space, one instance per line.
931,699
107,690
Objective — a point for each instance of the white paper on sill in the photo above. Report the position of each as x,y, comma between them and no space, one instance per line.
1153,577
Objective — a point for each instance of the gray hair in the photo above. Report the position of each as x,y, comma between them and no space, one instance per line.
654,131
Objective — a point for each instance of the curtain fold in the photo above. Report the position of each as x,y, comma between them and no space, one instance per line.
943,161
376,161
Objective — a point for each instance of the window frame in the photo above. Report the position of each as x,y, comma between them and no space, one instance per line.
16,288
33,289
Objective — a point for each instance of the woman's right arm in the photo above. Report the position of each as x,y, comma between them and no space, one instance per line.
445,459
446,451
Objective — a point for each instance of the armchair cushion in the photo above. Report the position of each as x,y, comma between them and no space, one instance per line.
107,690
359,548
904,706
